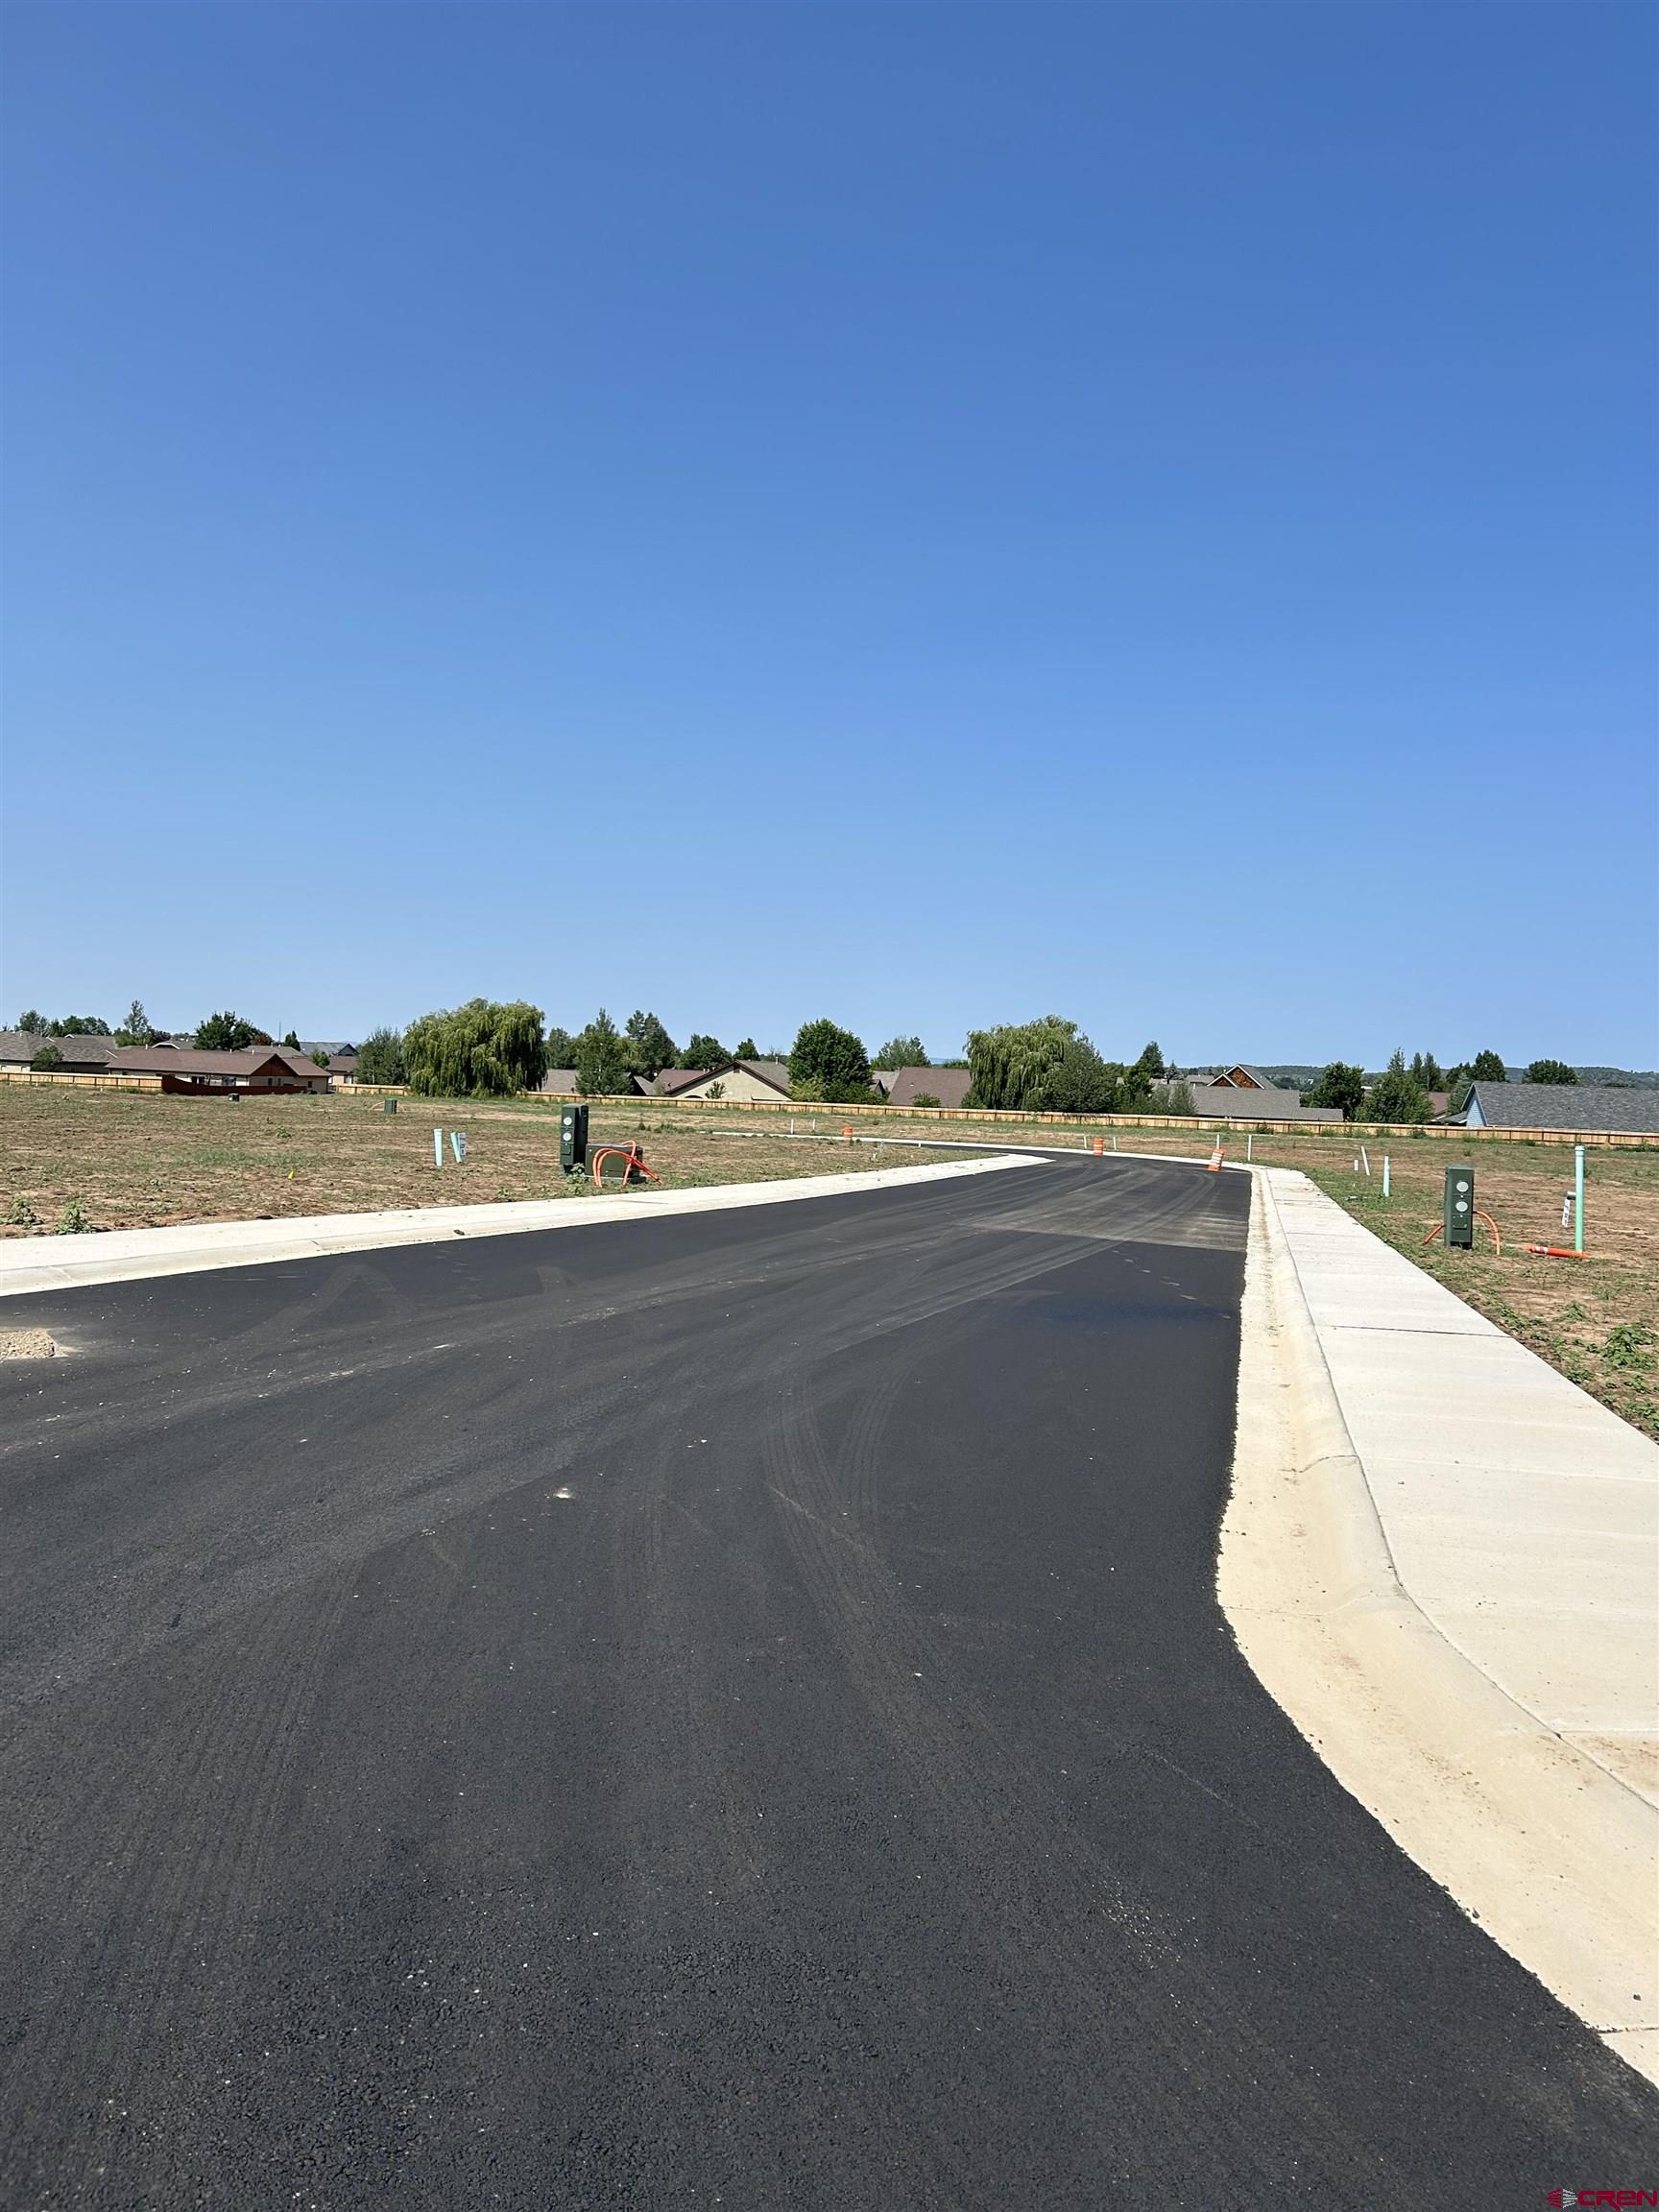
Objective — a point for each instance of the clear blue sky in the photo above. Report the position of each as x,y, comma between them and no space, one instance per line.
929,515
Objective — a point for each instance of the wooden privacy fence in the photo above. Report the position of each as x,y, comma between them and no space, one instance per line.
86,1082
1339,1133
1336,1132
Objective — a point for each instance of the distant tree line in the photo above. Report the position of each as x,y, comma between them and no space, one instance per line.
486,1048
1402,1092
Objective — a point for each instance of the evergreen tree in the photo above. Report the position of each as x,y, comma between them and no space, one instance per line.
1550,1071
1488,1068
601,1063
1397,1096
747,1050
646,1045
706,1052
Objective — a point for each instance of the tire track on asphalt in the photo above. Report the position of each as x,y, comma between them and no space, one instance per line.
979,1789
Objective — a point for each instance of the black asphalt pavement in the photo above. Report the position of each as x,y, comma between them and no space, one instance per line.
725,1710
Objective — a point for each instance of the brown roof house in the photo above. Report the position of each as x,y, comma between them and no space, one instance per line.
263,1070
944,1086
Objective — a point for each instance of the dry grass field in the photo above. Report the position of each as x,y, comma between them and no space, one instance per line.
134,1159
119,1160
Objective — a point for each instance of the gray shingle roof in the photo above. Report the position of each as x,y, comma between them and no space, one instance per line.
1227,1102
1567,1106
948,1085
19,1045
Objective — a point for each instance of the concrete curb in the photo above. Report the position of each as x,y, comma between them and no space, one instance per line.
1084,1151
1554,1852
133,1255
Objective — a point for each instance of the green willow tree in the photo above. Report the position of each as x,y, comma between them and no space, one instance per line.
1044,1066
480,1050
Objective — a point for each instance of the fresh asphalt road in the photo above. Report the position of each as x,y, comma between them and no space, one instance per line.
725,1710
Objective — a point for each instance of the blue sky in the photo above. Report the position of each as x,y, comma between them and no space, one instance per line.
929,515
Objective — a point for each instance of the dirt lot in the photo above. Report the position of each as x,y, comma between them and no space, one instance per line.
120,1160
133,1160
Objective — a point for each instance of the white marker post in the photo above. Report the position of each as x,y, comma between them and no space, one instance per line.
437,1147
1366,1157
458,1145
1384,1174
1578,1200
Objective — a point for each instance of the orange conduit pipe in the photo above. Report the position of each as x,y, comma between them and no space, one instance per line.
1496,1238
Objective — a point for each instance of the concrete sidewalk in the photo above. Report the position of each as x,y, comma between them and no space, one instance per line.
1522,1516
1442,1559
32,1263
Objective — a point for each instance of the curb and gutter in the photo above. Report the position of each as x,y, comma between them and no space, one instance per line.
1438,1557
131,1255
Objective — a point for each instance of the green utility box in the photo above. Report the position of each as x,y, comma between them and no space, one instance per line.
573,1136
1457,1208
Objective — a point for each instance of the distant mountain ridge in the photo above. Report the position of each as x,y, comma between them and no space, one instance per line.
1303,1078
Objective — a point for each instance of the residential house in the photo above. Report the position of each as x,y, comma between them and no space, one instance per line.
944,1086
737,1079
1243,1094
1584,1106
669,1079
262,1071
558,1083
76,1055
341,1055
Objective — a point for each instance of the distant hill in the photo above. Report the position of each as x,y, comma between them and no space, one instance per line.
1301,1078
